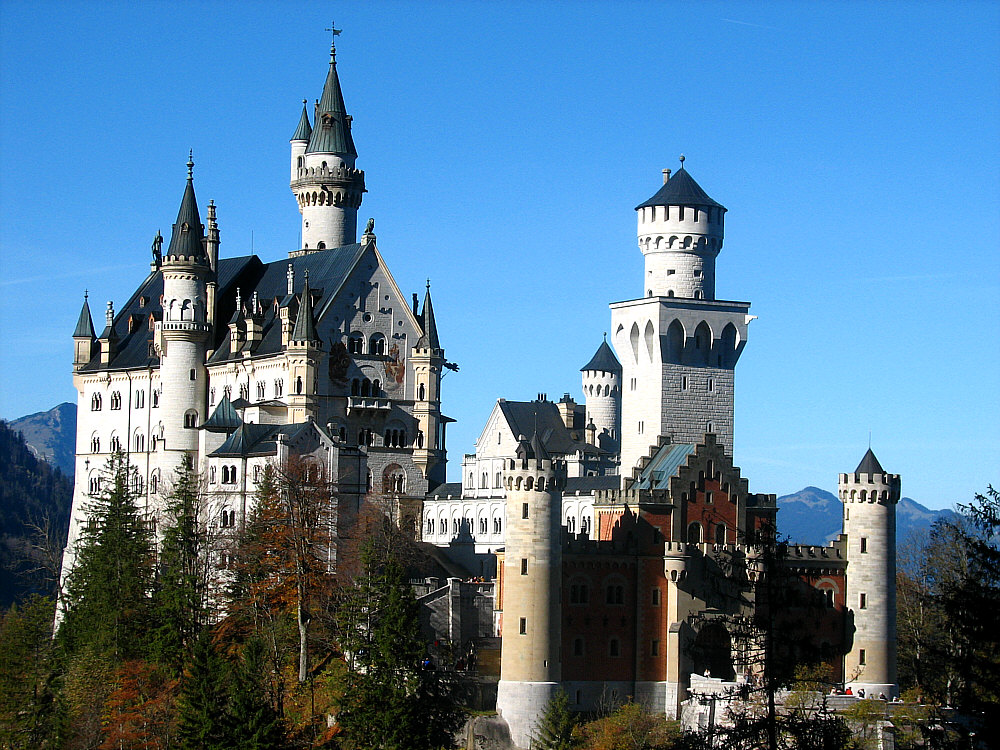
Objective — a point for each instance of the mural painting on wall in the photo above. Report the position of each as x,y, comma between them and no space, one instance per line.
395,368
338,362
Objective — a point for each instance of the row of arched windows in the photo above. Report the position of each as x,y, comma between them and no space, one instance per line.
115,444
695,533
366,387
95,483
442,525
375,346
597,390
530,483
864,495
97,401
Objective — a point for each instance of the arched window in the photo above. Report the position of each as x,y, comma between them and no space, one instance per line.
211,475
497,481
377,344
139,443
720,533
95,444
483,526
420,438
421,392
95,402
279,388
485,481
298,385
154,483
694,533
497,525
366,387
225,474
191,419
256,473
356,343
116,400
116,444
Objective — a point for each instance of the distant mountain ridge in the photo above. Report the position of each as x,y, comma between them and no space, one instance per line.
51,435
813,516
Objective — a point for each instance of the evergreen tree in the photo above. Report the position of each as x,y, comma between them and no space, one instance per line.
390,700
255,723
107,597
555,727
203,721
27,675
180,597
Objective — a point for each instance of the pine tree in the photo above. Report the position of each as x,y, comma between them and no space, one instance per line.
555,727
27,675
180,597
255,724
107,593
203,721
389,699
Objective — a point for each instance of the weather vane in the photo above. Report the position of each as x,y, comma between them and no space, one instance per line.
333,42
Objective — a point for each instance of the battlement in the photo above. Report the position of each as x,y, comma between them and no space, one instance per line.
532,474
869,488
313,175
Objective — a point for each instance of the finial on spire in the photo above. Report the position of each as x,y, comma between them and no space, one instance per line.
605,337
307,277
190,164
682,161
239,300
85,294
290,280
428,284
333,42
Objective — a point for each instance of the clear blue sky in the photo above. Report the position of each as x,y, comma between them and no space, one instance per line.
505,146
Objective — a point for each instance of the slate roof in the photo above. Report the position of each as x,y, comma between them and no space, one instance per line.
429,339
331,133
664,464
542,418
450,488
869,465
304,130
258,439
680,190
188,233
224,418
305,326
586,485
603,360
85,325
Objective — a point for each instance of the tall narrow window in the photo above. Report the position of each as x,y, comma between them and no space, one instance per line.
864,544
524,510
523,625
863,603
524,566
862,660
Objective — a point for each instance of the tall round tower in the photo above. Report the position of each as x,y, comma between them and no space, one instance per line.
530,666
326,185
870,496
184,329
680,234
602,390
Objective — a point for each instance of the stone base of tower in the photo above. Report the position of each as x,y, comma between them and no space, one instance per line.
521,704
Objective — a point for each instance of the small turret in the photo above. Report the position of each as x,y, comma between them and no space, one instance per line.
83,337
303,352
299,140
426,363
108,338
870,496
602,391
680,234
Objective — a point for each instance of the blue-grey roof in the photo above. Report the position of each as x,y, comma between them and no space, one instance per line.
542,418
680,190
664,464
328,270
305,326
85,324
429,339
586,485
331,133
188,233
257,439
304,130
224,418
604,360
869,465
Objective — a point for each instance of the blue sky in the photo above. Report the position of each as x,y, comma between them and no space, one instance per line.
505,146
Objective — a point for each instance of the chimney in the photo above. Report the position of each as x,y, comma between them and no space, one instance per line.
666,176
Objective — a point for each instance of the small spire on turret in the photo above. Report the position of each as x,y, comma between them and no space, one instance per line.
190,164
85,324
429,339
109,314
290,279
305,326
304,129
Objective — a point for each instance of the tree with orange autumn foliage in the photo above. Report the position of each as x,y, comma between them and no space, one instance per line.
138,715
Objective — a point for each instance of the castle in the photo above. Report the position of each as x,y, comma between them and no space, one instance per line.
606,524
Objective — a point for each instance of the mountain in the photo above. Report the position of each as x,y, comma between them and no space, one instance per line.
33,495
51,435
812,516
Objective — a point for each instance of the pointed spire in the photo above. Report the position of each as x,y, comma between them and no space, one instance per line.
304,130
186,239
429,340
604,360
331,133
869,465
85,325
305,326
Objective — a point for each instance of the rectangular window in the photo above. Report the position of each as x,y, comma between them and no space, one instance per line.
524,510
524,566
614,647
654,648
670,272
684,382
641,426
863,604
523,625
861,658
864,544
656,597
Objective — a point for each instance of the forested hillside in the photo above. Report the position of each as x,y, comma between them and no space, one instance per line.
35,503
